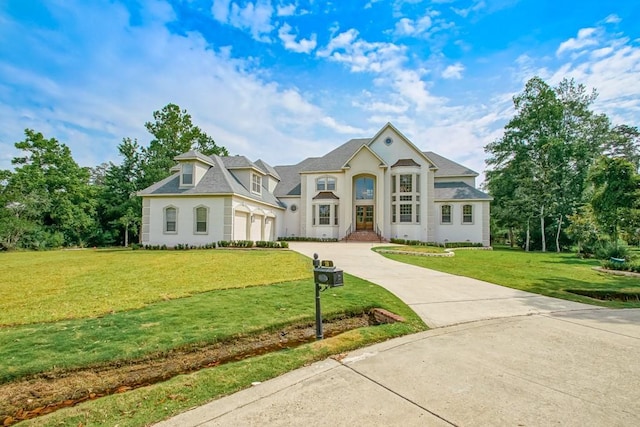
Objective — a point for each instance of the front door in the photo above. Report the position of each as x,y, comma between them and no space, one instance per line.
364,217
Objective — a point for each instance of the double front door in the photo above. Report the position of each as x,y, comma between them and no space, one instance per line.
364,217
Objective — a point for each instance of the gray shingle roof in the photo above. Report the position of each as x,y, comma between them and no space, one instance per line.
267,168
334,160
458,191
238,162
193,154
289,184
217,180
448,167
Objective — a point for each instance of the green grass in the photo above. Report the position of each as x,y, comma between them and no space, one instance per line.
204,318
164,300
56,285
547,273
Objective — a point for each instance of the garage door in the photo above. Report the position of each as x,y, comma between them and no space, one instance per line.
268,229
240,226
256,227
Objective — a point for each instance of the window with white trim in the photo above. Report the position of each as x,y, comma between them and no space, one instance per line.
445,214
405,198
256,184
201,217
170,220
324,214
187,174
467,214
325,183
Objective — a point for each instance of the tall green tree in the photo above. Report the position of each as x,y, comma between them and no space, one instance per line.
49,193
616,191
118,200
547,149
173,133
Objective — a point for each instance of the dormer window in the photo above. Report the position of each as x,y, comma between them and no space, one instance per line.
256,184
187,174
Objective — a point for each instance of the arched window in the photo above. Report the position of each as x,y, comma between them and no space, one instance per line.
445,214
171,220
467,214
201,220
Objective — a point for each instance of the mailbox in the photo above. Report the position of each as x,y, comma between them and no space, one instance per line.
328,276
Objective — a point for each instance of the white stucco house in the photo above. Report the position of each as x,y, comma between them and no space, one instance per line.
383,185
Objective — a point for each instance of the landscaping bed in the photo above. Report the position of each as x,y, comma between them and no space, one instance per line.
607,295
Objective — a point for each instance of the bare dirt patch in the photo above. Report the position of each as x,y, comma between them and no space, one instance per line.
50,391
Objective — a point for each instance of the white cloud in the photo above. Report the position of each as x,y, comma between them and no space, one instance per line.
476,7
453,71
609,63
425,26
586,37
107,93
363,56
252,17
286,10
612,19
290,43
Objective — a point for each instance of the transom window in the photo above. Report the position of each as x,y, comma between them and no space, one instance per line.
256,183
445,214
326,183
467,214
187,174
170,220
405,183
201,219
364,188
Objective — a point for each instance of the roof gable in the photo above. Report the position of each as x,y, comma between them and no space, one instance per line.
357,153
389,127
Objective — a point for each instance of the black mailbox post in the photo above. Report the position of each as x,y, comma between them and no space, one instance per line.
324,274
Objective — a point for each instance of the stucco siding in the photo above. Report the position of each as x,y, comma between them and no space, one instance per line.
185,220
457,231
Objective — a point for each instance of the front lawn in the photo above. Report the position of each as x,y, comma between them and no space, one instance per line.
194,298
547,273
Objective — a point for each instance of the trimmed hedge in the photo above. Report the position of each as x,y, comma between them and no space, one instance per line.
449,245
306,239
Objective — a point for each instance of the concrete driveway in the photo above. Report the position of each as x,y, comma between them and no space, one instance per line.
495,357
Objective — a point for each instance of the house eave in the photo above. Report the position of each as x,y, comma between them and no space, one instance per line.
168,195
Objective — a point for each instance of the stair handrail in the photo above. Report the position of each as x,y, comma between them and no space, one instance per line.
347,233
378,232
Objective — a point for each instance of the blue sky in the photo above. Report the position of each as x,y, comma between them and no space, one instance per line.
283,80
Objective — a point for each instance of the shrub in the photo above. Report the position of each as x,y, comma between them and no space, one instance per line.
307,239
609,250
437,244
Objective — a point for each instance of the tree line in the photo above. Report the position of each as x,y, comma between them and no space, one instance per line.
564,176
49,201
